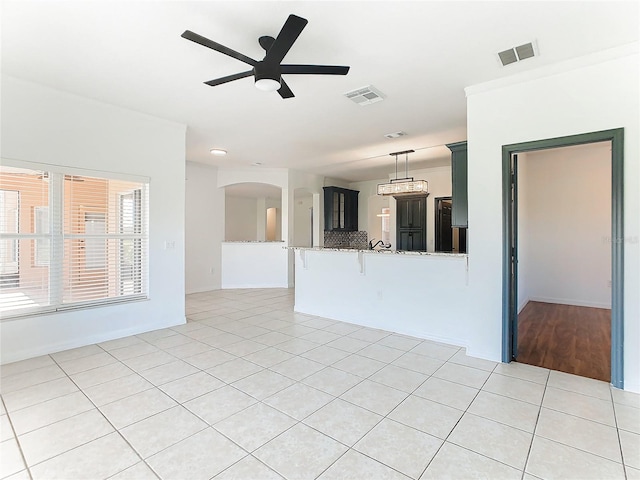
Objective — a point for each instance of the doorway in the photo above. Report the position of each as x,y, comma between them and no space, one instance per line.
511,237
564,260
448,238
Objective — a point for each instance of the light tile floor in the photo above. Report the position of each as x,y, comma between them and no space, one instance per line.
248,389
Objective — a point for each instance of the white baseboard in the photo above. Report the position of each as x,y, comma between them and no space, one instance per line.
523,304
46,349
202,290
570,301
231,286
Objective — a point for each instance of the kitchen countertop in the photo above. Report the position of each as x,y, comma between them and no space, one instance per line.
253,241
381,251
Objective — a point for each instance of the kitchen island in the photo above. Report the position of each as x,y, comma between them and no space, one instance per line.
421,294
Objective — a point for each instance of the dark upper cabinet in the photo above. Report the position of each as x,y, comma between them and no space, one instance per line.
340,209
411,212
459,184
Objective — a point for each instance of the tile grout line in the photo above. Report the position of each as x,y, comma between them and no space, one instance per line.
109,422
535,429
334,398
383,417
615,420
457,422
181,404
15,437
52,423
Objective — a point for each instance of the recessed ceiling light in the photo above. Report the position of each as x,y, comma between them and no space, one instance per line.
218,151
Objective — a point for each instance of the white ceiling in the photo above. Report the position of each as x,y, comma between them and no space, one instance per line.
421,55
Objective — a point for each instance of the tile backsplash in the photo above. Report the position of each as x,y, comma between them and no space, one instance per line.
357,239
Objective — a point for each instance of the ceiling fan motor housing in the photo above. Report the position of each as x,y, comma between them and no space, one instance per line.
270,71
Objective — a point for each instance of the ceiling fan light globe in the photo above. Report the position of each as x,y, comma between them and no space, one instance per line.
267,84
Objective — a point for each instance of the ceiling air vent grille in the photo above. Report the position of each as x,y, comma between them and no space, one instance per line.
365,95
525,51
517,54
395,134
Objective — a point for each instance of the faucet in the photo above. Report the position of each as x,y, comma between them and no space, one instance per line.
379,242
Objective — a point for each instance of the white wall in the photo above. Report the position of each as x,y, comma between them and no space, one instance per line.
205,212
566,221
241,219
254,265
369,203
312,184
48,126
588,94
302,220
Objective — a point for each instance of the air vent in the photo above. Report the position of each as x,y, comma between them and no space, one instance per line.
365,95
508,56
395,134
517,54
525,51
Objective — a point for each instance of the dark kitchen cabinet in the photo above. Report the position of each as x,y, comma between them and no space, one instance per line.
411,222
411,212
411,240
459,184
340,209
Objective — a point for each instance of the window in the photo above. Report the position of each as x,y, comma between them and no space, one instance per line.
69,240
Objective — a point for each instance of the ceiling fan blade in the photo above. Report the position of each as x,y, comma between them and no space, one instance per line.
284,90
290,32
229,78
315,69
194,37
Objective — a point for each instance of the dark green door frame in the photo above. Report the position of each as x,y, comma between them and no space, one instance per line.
509,242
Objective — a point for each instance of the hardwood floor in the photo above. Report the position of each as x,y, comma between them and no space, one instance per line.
566,338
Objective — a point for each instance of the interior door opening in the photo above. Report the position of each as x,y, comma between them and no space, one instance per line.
448,238
588,252
563,259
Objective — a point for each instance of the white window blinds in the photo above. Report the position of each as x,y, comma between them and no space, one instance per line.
69,241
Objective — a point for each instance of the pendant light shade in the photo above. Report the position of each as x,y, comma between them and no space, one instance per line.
406,185
403,186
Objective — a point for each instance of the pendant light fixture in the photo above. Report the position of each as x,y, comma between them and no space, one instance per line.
406,185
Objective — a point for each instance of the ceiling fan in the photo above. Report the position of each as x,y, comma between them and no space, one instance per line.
268,71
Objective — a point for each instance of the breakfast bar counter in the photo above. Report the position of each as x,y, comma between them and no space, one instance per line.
422,294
